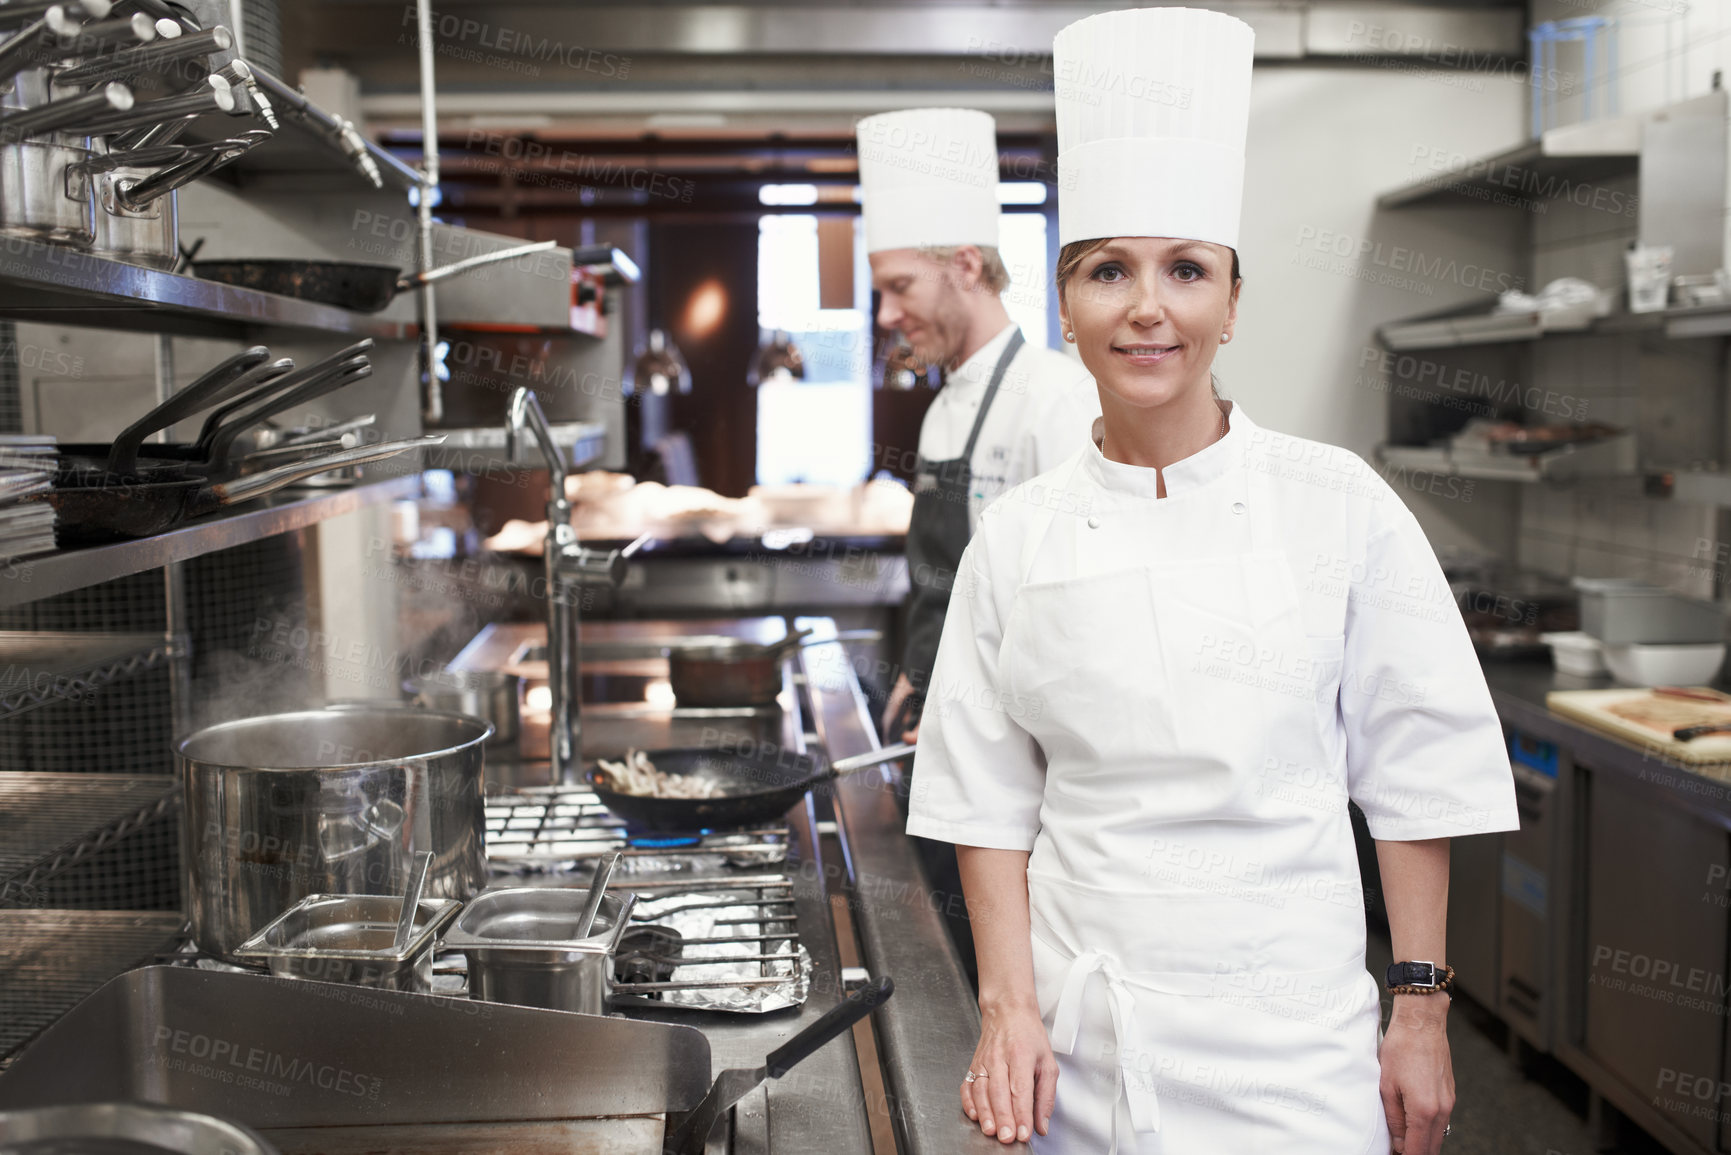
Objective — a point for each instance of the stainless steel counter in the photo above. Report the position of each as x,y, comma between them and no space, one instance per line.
1519,689
927,1033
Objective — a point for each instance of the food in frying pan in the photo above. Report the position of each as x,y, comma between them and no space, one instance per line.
638,775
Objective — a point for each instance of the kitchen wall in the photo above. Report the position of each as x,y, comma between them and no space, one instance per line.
1323,267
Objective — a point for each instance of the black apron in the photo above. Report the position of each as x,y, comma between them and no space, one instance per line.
937,535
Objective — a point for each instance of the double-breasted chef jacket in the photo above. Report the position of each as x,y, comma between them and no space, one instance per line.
1169,702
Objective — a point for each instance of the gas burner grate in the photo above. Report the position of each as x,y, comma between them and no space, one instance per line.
555,827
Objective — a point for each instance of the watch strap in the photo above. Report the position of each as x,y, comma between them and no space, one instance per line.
1419,978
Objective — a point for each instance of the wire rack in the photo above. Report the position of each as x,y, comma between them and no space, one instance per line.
51,823
51,959
41,666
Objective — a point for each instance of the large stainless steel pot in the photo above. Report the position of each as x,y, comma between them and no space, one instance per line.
327,801
43,195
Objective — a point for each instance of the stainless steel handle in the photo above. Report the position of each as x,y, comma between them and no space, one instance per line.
871,758
20,51
149,57
26,11
258,484
77,36
433,276
64,113
139,195
218,97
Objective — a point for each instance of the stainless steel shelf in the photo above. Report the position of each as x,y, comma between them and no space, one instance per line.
42,666
1517,177
51,822
58,285
1445,331
1610,457
290,509
51,959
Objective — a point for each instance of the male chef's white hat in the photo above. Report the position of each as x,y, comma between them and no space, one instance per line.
1153,104
928,177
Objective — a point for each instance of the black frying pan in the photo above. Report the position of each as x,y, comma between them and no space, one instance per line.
757,788
119,460
98,513
347,285
264,390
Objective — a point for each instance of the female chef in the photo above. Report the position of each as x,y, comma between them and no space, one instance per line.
1166,667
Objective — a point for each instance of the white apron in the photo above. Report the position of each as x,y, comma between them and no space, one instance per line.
1198,938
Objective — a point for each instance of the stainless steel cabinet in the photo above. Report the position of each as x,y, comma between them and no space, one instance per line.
1474,910
1653,968
1527,868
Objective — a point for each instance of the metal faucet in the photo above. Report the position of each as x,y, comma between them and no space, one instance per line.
569,567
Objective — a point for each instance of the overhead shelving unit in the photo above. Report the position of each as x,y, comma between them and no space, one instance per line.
1586,153
53,284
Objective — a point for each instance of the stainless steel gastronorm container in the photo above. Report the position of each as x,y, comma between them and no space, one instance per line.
282,806
520,950
349,938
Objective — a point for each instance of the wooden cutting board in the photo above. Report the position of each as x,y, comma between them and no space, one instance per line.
1648,719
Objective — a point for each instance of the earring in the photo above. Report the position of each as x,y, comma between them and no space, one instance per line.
1069,336
1225,337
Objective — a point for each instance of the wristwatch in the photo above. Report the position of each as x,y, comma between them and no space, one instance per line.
1420,978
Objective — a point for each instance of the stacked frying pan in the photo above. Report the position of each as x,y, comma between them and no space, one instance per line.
128,489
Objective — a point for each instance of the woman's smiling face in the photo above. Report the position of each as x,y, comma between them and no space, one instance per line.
1148,314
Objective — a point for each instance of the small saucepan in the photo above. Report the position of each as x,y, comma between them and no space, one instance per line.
729,672
750,789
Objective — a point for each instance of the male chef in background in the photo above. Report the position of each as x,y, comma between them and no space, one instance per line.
1009,408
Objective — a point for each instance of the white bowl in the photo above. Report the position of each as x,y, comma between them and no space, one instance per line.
1649,665
1576,652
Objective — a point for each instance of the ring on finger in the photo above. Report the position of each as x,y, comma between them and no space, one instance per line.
972,1075
1446,1129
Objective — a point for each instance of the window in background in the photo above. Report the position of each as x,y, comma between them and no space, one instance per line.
1022,245
815,430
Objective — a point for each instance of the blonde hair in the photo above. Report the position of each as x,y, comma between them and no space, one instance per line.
993,275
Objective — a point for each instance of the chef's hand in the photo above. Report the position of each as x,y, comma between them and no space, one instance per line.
1021,1080
1418,1082
899,694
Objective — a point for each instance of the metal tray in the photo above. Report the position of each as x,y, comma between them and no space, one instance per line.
279,1053
348,938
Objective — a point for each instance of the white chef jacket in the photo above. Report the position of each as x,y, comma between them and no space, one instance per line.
1040,416
1169,702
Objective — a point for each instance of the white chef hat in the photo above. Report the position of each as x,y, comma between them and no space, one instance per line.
928,177
1153,104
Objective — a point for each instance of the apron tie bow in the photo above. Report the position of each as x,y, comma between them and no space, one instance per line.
1135,1066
